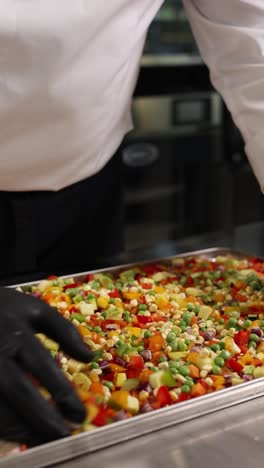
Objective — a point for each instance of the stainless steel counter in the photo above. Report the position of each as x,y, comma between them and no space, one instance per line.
229,438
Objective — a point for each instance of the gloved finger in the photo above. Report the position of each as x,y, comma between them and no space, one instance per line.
28,403
13,428
35,359
61,330
47,320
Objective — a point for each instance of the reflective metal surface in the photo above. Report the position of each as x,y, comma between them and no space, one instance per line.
228,439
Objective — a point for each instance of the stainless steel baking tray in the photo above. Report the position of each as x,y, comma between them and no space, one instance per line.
71,447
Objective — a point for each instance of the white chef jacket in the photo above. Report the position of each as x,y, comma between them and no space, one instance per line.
68,69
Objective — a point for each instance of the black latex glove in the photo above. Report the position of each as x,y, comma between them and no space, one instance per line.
25,416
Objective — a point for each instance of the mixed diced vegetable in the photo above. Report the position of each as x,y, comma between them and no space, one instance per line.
162,333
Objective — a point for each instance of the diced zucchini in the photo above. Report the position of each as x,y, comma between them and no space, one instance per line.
130,384
259,372
81,379
162,377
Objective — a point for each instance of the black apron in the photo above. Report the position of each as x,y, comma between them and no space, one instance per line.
68,231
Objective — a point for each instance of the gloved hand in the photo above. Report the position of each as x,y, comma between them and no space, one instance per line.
25,416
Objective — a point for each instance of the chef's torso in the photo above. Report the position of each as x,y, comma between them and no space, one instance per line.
67,73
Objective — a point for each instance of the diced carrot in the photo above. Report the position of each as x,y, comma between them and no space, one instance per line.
83,331
144,375
156,342
194,371
94,377
116,368
198,390
97,387
95,337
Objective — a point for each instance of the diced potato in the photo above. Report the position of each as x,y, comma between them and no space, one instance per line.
259,372
205,312
47,342
194,292
75,366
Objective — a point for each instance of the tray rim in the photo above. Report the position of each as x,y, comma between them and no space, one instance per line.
71,447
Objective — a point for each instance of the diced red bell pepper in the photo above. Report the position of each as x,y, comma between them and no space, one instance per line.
163,396
52,277
114,294
71,286
143,319
151,269
88,277
241,337
234,365
136,362
101,418
244,348
133,373
189,281
147,285
184,397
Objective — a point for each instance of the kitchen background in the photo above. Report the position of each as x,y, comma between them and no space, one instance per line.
187,180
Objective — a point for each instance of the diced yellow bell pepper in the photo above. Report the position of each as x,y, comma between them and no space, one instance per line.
133,331
120,398
120,379
162,303
231,346
131,295
102,302
159,290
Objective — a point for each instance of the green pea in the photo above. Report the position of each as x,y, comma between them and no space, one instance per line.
183,324
143,307
127,317
140,349
94,365
215,347
219,361
252,344
104,315
216,370
171,337
186,318
162,359
97,329
109,385
222,345
189,381
182,346
112,301
187,342
154,369
119,343
184,370
247,323
190,307
225,354
196,310
221,321
173,364
254,337
231,322
185,388
147,334
174,346
183,281
262,323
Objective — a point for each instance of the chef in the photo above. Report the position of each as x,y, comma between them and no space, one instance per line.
67,74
